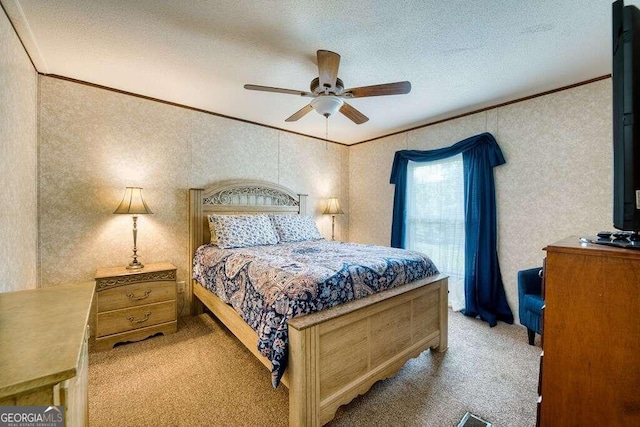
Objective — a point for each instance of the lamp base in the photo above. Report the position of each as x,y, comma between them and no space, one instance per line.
135,265
333,227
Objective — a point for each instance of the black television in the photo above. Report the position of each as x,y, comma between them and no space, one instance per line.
626,128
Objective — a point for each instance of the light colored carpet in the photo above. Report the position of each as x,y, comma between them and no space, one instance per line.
203,376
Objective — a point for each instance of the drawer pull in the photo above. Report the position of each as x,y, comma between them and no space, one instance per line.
144,319
133,297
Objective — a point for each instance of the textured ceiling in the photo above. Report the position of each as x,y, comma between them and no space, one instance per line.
459,55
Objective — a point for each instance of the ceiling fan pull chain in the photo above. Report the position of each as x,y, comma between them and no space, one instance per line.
326,132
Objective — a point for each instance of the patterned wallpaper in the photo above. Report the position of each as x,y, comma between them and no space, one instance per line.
556,182
18,164
95,142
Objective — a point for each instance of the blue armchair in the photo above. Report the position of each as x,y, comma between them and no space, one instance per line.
530,301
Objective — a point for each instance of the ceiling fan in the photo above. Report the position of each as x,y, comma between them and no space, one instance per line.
328,91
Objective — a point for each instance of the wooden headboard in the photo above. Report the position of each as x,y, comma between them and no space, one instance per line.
237,197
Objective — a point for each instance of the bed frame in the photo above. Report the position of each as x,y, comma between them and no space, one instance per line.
336,354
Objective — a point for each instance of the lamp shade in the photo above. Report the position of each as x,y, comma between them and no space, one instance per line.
333,207
132,203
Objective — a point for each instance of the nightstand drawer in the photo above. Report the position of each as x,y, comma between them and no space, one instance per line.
135,295
116,321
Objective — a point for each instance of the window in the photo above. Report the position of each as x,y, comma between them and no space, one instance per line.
435,218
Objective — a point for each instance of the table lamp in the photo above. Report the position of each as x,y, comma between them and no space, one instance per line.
133,204
333,209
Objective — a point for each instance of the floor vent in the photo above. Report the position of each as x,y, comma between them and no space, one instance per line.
470,420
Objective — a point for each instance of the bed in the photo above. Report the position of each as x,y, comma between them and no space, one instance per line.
338,353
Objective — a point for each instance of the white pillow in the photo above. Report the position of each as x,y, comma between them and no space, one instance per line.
239,231
295,228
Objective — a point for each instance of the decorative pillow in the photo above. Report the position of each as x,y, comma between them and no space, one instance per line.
239,231
295,228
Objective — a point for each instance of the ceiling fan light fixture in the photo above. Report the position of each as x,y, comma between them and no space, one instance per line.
328,91
327,105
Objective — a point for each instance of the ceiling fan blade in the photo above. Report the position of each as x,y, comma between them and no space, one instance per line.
298,114
354,115
328,63
279,90
398,88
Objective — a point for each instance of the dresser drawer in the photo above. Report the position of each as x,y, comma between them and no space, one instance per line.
135,295
112,322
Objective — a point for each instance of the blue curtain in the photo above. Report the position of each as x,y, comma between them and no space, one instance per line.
484,290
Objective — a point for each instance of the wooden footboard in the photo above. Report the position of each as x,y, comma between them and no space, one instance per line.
338,354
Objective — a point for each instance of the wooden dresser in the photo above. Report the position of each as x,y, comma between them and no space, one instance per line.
43,349
134,304
590,367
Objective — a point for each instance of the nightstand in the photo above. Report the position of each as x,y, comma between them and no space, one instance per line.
134,304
